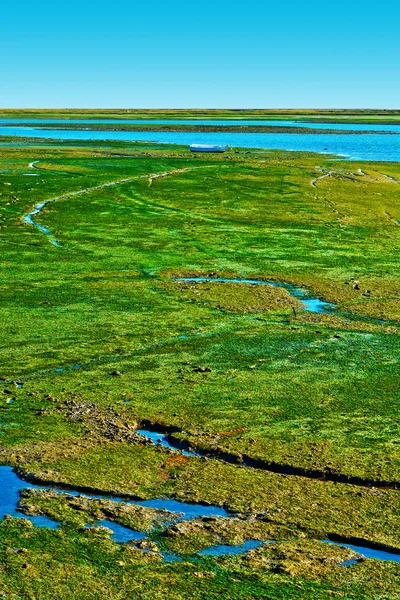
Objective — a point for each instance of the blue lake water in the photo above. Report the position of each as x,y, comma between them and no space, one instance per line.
221,123
371,147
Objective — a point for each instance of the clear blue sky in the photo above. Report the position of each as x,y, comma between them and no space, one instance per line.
65,53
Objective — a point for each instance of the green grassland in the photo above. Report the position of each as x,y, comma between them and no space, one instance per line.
323,115
85,126
235,370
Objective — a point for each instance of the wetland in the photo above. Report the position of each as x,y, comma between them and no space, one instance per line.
199,369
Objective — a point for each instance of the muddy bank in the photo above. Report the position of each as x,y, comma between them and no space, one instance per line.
172,441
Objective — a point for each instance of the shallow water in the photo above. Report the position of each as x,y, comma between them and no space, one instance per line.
311,304
350,563
29,219
374,146
367,552
11,484
188,511
120,534
72,367
223,550
162,440
394,128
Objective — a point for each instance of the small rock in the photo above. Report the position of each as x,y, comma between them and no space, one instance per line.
199,369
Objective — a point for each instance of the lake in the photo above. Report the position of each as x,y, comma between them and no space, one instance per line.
394,128
369,147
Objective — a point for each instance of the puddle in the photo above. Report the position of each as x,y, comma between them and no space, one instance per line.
62,369
120,534
10,485
162,440
310,303
171,557
224,550
18,384
366,552
349,563
188,511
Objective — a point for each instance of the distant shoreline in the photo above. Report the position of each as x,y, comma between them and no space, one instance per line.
195,128
334,116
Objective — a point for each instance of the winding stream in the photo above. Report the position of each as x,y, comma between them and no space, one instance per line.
28,218
11,484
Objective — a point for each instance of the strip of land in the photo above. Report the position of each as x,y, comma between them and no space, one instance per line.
197,128
384,116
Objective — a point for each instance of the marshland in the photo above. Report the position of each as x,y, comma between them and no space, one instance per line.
203,351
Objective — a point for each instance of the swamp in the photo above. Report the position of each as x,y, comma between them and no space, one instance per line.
198,371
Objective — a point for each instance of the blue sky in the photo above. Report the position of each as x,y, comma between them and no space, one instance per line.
199,54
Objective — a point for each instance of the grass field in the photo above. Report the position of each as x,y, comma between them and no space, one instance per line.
323,115
104,339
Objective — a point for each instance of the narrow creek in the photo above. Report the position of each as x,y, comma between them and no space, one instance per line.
28,218
169,440
311,304
11,484
37,209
